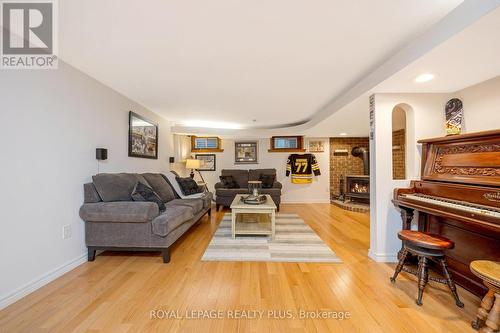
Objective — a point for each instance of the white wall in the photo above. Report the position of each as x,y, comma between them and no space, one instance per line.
317,191
481,105
52,121
425,119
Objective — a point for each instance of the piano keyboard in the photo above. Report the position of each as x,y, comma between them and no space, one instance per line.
460,205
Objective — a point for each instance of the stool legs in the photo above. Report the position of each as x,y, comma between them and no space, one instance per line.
423,277
482,312
451,283
400,265
493,320
423,274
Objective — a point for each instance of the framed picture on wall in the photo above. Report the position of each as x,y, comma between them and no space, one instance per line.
245,152
207,161
142,137
316,146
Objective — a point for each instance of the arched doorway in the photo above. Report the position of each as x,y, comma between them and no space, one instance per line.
398,143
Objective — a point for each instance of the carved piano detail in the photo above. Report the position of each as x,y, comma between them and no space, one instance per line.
459,198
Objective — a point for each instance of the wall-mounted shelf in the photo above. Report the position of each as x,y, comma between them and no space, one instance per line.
342,152
287,150
207,150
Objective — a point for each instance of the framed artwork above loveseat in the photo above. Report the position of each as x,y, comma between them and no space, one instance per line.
246,152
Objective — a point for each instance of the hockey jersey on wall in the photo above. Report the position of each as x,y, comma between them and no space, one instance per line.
302,167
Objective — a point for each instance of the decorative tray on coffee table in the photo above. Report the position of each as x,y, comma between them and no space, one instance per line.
254,200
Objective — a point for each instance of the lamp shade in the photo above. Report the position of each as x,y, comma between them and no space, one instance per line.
193,164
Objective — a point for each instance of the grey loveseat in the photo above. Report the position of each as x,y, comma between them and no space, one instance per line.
113,221
225,196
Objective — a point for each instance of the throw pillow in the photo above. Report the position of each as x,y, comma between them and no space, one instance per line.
143,192
228,182
160,186
267,180
188,185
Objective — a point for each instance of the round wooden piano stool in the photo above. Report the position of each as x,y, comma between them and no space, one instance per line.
426,247
488,315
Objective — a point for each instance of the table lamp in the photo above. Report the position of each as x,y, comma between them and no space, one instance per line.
192,164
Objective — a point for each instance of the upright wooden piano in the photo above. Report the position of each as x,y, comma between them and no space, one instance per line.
459,198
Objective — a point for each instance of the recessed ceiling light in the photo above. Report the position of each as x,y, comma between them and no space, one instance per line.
343,134
425,77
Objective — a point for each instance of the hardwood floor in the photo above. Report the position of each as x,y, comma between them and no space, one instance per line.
117,292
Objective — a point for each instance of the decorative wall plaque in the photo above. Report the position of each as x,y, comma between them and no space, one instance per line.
454,113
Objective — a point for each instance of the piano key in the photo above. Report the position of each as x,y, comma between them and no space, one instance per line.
460,205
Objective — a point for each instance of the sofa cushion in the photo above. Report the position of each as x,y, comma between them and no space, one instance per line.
255,174
143,192
267,180
239,176
188,185
228,182
160,186
90,194
172,218
195,204
121,211
116,186
274,192
230,192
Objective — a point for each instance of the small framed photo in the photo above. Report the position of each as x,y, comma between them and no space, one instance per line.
142,137
245,152
316,146
207,161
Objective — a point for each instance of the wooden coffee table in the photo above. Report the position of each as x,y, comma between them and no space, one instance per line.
249,219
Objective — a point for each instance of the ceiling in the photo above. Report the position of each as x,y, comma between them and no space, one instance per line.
276,62
470,57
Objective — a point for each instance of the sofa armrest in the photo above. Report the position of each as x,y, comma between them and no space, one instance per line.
218,185
277,185
119,211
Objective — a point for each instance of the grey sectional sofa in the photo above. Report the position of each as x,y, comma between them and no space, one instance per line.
113,221
225,196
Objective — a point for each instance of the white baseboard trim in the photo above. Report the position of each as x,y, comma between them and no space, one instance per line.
35,284
383,257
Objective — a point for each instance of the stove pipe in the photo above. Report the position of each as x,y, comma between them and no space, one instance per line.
364,154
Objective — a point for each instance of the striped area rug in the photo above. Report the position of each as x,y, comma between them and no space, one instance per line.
295,241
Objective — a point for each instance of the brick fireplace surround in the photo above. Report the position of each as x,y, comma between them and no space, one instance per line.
344,164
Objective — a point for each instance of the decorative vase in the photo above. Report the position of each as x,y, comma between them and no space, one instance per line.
254,187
